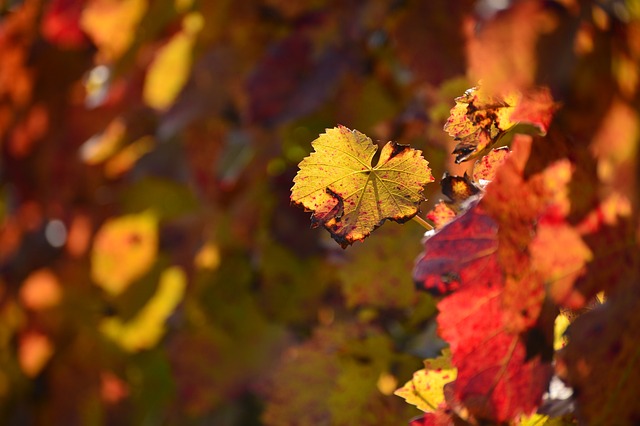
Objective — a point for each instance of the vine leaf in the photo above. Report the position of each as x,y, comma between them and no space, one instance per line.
496,380
350,197
477,121
426,389
486,167
441,214
460,255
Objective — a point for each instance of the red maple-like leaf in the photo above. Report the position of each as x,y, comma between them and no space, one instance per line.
487,166
495,379
536,108
462,254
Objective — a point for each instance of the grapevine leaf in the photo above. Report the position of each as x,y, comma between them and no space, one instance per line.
496,380
536,108
487,166
560,255
559,328
441,214
442,417
426,389
170,68
477,121
608,232
488,350
460,255
349,196
458,188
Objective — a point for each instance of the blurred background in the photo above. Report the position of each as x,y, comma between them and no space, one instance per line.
152,269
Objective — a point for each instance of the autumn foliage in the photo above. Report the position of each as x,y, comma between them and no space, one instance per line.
533,235
153,269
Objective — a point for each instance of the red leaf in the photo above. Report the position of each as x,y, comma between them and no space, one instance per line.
441,214
487,166
536,107
495,379
442,417
513,60
61,24
460,255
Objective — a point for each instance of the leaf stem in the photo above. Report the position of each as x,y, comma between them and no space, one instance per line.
426,225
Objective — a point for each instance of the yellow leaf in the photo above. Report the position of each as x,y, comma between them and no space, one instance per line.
124,250
170,69
543,420
349,196
147,327
426,389
478,120
112,25
560,326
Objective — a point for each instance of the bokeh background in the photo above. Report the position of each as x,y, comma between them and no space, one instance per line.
152,269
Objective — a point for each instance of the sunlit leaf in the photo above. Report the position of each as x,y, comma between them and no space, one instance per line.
171,66
349,196
426,389
458,188
560,326
111,24
123,250
487,166
560,255
441,214
478,120
145,329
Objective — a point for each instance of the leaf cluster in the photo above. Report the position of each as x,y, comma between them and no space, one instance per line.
542,234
